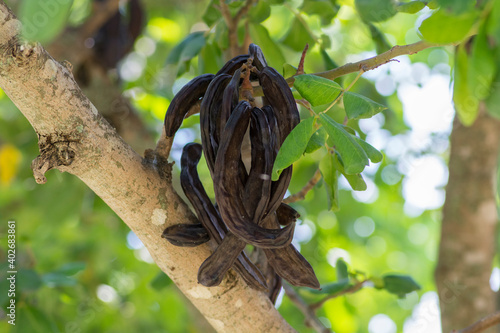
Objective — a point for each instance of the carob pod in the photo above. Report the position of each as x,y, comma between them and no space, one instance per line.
211,103
280,97
258,186
289,263
228,189
233,64
188,235
180,105
259,60
286,214
209,216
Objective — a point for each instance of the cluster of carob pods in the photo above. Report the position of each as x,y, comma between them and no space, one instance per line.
249,207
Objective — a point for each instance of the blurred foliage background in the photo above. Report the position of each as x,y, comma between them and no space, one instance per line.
82,270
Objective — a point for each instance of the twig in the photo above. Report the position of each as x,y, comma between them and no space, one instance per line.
300,69
349,290
366,64
483,324
302,193
232,24
311,319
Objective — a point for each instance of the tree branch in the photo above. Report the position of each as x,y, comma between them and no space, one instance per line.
483,324
75,138
311,318
302,193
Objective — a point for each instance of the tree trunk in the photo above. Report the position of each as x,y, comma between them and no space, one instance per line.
469,225
73,137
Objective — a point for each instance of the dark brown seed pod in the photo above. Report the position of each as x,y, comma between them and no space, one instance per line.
188,235
258,185
228,188
229,101
232,65
286,214
259,60
289,263
280,97
209,110
209,216
180,105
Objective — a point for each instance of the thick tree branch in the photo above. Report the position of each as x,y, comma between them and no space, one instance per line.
75,138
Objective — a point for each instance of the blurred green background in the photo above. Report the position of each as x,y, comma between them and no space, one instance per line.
80,269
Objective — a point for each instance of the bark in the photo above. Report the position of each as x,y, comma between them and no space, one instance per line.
73,137
468,232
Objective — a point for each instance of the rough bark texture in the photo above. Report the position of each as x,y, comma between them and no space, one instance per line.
468,236
73,137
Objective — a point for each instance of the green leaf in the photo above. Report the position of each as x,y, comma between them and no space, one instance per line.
373,154
341,269
353,156
483,65
28,280
187,49
356,181
493,101
33,320
294,146
259,12
325,9
57,279
443,27
297,36
276,2
317,141
43,20
466,103
329,63
457,6
160,281
359,106
212,14
72,268
381,43
316,89
210,59
330,178
289,70
261,37
411,7
375,10
333,288
493,23
400,284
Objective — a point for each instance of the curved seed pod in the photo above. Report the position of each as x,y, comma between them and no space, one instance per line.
209,216
259,60
232,65
229,101
258,185
289,263
278,190
275,289
184,100
228,188
286,214
280,97
186,234
209,109
213,269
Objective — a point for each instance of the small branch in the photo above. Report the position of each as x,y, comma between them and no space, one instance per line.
302,193
232,24
300,69
367,64
311,318
101,12
483,324
349,290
